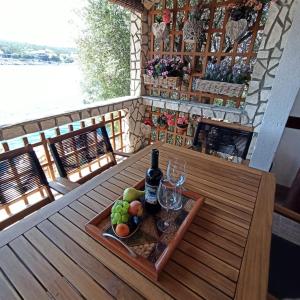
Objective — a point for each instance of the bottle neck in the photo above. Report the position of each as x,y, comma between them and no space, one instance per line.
154,160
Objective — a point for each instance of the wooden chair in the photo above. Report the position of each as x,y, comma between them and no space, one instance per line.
21,179
81,150
284,262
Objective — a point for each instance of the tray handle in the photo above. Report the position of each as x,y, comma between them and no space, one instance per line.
131,252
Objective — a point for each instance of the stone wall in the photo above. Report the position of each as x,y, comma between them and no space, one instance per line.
269,54
27,127
135,54
134,117
268,58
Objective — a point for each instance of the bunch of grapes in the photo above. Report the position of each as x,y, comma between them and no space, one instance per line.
119,212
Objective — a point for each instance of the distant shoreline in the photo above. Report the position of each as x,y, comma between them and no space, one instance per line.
18,62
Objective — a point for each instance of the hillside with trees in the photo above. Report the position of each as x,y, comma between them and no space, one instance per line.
12,52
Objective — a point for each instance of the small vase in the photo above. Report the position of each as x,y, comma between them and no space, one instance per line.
181,130
162,127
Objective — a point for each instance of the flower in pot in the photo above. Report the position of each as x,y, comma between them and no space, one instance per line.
170,119
182,125
162,122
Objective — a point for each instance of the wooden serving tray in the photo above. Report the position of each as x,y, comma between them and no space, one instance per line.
153,249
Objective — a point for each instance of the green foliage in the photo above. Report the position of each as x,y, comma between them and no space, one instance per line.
104,50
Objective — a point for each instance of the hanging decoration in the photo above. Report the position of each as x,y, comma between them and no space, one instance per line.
193,28
166,16
236,29
149,3
160,31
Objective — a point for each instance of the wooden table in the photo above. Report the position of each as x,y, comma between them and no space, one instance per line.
224,255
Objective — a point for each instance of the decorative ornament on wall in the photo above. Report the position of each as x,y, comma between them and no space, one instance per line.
166,16
146,129
236,29
160,31
192,31
149,3
193,27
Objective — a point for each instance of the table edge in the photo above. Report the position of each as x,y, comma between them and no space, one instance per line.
253,278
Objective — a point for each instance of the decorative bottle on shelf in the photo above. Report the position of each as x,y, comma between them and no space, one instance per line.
153,177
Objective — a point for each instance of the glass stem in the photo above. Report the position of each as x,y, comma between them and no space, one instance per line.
166,222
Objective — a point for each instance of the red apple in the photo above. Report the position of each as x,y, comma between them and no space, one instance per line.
135,208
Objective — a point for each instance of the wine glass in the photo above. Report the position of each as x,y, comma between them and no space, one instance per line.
166,199
176,174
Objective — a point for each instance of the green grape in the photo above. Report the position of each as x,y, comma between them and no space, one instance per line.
114,221
119,208
125,218
125,204
124,210
117,216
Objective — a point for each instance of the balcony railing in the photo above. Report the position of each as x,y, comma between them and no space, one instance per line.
114,122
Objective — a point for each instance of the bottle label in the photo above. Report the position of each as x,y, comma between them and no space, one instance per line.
151,193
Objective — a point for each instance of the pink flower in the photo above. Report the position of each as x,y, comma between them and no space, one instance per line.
182,121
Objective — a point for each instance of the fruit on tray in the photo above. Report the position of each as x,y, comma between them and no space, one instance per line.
134,222
135,208
122,230
126,214
119,212
131,194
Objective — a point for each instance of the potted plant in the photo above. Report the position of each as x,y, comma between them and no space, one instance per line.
165,72
182,124
222,78
162,122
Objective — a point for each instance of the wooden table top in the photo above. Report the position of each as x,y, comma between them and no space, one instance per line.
224,254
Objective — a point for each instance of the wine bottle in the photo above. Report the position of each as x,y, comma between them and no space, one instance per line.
153,177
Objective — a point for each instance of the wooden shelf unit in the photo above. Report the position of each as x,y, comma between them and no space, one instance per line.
215,46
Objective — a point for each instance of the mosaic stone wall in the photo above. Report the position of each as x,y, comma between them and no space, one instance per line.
270,52
271,48
135,54
134,117
16,130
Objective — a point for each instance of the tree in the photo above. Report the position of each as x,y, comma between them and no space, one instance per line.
104,50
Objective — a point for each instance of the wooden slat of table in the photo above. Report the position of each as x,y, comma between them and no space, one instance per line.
116,287
99,198
74,274
83,210
204,189
212,277
168,282
256,257
7,291
217,240
46,274
209,262
91,204
17,272
120,268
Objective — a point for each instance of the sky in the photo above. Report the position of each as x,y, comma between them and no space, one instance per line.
43,22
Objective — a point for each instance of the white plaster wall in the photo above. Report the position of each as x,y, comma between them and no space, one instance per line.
295,112
287,158
283,95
